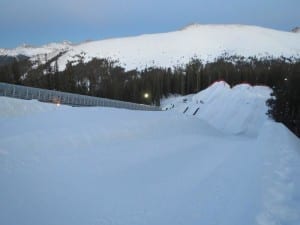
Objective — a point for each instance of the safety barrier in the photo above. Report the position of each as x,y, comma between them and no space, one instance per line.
58,97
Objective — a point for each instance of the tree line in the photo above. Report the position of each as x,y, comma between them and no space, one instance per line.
105,78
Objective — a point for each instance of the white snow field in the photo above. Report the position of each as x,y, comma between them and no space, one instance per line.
205,42
227,165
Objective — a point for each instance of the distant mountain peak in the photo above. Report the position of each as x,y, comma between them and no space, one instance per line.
191,26
296,30
25,45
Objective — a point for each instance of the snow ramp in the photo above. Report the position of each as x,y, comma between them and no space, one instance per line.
238,110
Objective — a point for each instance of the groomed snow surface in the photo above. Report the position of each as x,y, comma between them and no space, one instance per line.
227,165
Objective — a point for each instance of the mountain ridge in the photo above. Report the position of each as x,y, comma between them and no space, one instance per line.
204,41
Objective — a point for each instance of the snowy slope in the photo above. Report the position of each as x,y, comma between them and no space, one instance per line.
30,51
206,42
41,54
111,166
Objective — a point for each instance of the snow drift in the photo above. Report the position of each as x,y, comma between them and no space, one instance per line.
205,42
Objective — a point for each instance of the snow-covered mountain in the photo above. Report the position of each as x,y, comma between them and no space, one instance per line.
41,53
296,30
29,50
205,42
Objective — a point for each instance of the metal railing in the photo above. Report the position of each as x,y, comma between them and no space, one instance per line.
58,97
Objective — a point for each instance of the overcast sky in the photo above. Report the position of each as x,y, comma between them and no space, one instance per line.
38,22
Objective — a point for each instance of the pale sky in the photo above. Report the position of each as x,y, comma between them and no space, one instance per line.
39,22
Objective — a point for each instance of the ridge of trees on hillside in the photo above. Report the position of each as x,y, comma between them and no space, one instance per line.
105,78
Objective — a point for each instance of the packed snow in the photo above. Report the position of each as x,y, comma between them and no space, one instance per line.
98,166
206,42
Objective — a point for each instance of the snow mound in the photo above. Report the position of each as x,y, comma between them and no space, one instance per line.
238,110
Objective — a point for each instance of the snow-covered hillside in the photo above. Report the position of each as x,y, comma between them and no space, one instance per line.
41,54
65,165
31,51
205,42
